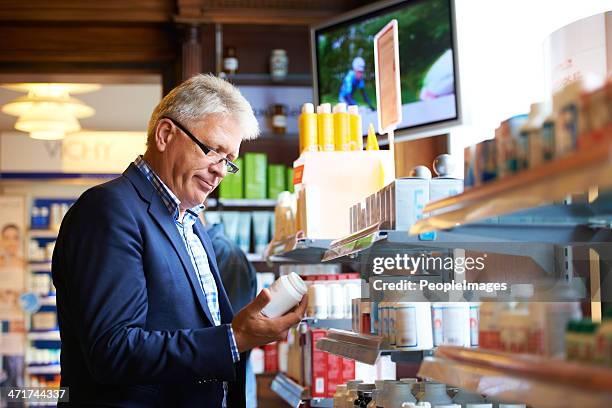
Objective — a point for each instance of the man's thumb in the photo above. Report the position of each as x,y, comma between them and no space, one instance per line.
261,300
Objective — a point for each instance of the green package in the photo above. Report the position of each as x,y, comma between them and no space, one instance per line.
232,184
276,180
290,173
255,169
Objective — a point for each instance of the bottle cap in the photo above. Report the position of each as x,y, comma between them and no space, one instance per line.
308,108
340,108
366,387
326,108
353,109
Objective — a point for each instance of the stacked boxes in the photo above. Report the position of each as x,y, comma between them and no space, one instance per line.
396,206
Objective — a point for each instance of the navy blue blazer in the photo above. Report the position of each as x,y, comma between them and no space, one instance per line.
135,327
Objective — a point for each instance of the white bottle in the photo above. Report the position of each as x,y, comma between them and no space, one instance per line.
318,298
286,292
340,396
451,324
336,301
412,328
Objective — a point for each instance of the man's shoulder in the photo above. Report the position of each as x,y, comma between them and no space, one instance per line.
118,192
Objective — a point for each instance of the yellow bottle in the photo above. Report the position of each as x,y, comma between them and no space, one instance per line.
372,142
341,127
325,121
355,132
308,129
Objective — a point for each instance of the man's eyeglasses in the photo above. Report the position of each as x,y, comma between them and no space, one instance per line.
210,153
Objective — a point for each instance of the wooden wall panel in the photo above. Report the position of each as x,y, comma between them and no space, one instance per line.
88,10
86,43
254,44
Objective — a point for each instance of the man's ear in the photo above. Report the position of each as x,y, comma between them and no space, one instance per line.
163,135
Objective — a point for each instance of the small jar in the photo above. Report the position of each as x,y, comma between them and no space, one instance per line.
396,393
435,394
364,395
286,292
279,65
279,119
230,61
340,396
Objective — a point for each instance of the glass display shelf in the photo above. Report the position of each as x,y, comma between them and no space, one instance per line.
528,379
579,171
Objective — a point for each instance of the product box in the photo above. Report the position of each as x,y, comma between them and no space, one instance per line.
271,357
442,187
508,144
348,177
319,366
255,169
334,374
290,173
487,161
348,370
232,185
276,180
469,169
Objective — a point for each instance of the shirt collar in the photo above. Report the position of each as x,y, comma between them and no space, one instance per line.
169,199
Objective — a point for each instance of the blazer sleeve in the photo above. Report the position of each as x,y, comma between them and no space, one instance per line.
98,259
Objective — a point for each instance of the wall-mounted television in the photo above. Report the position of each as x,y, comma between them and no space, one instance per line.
343,62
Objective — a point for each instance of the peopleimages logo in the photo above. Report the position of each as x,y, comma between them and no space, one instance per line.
412,264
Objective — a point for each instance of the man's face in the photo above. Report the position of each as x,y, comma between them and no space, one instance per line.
358,75
11,241
195,175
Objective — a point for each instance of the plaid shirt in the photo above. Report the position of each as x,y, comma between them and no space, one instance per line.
194,247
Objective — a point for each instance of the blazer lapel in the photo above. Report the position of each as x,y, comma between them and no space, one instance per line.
224,304
163,218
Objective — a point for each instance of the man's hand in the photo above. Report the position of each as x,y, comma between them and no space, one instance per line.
251,328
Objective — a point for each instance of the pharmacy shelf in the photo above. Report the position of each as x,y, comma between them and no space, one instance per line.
551,182
44,369
290,391
48,301
52,335
266,79
508,236
215,203
340,324
303,250
41,263
42,233
533,380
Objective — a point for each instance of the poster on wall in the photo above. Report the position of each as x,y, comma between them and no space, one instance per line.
12,259
12,285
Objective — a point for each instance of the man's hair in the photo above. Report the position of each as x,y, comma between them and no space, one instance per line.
202,95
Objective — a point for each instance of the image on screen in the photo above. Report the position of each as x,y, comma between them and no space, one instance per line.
345,62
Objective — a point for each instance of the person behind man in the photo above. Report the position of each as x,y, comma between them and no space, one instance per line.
239,279
144,318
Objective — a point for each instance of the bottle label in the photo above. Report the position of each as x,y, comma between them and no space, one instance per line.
406,334
279,121
230,64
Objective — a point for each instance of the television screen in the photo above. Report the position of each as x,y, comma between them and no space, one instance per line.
343,54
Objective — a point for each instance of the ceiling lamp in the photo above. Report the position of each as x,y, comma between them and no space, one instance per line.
48,111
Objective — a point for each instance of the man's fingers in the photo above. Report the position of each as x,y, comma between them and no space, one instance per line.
260,301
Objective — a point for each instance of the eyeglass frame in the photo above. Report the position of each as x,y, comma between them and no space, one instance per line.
229,165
